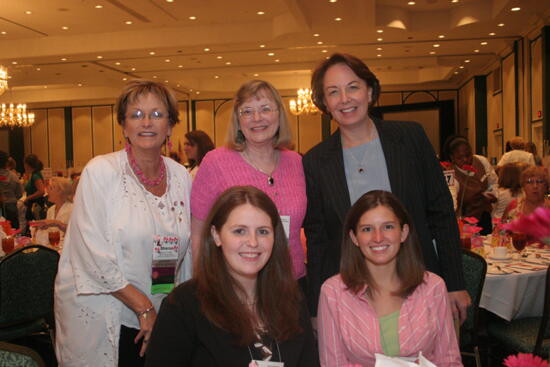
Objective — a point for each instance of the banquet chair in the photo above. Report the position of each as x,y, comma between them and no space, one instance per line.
526,335
26,292
13,355
475,269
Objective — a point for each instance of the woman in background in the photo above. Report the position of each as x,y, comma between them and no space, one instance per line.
35,187
383,301
10,191
60,193
242,304
509,187
197,143
534,184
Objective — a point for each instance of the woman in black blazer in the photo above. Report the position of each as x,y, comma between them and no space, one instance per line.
370,154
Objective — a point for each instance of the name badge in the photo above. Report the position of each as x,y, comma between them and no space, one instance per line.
266,364
165,257
449,177
285,220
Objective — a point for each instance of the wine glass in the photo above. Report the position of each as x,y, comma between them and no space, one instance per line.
519,240
8,244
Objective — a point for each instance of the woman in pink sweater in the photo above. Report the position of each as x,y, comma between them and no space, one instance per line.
383,301
255,154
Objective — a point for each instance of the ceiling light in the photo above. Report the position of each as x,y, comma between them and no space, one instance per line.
256,74
216,76
260,13
517,8
206,49
197,92
38,69
166,81
379,55
461,66
180,66
152,53
411,3
316,35
228,63
500,25
324,51
124,78
154,76
277,60
483,43
378,48
456,72
169,1
332,1
454,1
99,6
100,57
117,63
128,22
64,27
14,62
192,17
467,61
167,60
476,50
262,46
338,19
79,84
441,36
63,59
436,45
28,12
432,52
320,42
492,34
271,54
380,31
4,32
219,57
379,39
133,69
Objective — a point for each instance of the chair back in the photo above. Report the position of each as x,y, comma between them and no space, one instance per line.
26,284
18,355
475,269
544,329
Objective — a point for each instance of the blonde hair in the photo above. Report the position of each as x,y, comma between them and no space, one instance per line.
257,88
63,185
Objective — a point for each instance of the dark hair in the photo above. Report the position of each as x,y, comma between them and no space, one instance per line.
353,269
452,143
140,87
509,176
277,294
204,145
3,159
355,64
32,161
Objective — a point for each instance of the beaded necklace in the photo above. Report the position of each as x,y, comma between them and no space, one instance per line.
139,173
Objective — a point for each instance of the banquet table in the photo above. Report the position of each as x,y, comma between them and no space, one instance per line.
514,289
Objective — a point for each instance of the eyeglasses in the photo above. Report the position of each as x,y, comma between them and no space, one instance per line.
264,111
533,181
140,115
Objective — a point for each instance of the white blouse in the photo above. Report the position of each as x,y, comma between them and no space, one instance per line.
108,245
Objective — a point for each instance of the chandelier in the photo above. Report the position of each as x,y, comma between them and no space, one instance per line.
3,79
303,103
15,116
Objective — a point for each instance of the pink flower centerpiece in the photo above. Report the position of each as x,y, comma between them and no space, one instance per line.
525,360
536,225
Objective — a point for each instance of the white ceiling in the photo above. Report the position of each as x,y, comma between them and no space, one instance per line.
222,47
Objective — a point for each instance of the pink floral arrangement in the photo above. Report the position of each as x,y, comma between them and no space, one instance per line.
469,225
525,360
536,224
446,165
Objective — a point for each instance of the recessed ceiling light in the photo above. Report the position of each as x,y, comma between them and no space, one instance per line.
124,78
206,49
492,34
63,59
64,27
45,87
167,60
180,66
277,60
380,31
4,32
256,74
228,63
192,17
483,43
456,72
461,66
316,35
154,77
271,54
320,42
198,92
151,53
128,22
517,8
378,48
133,69
379,55
324,51
166,81
338,19
411,3
262,46
436,45
99,6
441,36
100,57
500,25
476,50
332,1
14,62
38,69
216,76
260,12
467,61
432,52
79,84
379,39
117,63
169,1
28,12
454,1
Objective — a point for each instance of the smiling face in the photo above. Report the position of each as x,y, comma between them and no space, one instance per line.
246,240
346,96
535,188
462,155
259,119
146,123
379,236
190,149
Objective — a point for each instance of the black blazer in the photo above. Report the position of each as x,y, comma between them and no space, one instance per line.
416,179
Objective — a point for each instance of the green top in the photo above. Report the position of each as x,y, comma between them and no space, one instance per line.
389,335
30,187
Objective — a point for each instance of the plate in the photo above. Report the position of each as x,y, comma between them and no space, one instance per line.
506,258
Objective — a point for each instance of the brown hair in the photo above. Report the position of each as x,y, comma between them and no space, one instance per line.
353,269
517,143
277,294
533,171
203,142
509,176
140,87
32,161
355,64
257,88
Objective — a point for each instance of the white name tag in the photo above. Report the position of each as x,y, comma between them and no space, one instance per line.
268,363
285,219
449,177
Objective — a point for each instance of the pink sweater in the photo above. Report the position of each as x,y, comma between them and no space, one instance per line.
349,328
223,168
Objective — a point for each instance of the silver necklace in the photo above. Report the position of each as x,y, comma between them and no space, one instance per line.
270,180
361,166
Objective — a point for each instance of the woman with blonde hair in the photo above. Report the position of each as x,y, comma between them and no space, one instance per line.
60,193
256,154
534,184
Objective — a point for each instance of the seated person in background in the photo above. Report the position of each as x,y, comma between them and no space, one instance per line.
532,148
383,300
243,302
10,191
60,193
509,187
534,184
517,154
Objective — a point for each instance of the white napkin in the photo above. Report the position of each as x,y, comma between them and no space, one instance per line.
385,361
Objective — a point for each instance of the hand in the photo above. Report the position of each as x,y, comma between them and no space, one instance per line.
460,301
146,323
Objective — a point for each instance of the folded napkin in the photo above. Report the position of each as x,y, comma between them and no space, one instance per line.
385,361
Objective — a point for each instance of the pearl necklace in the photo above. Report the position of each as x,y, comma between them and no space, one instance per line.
139,173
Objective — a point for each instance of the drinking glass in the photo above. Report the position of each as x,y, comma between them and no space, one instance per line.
8,244
519,240
54,237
